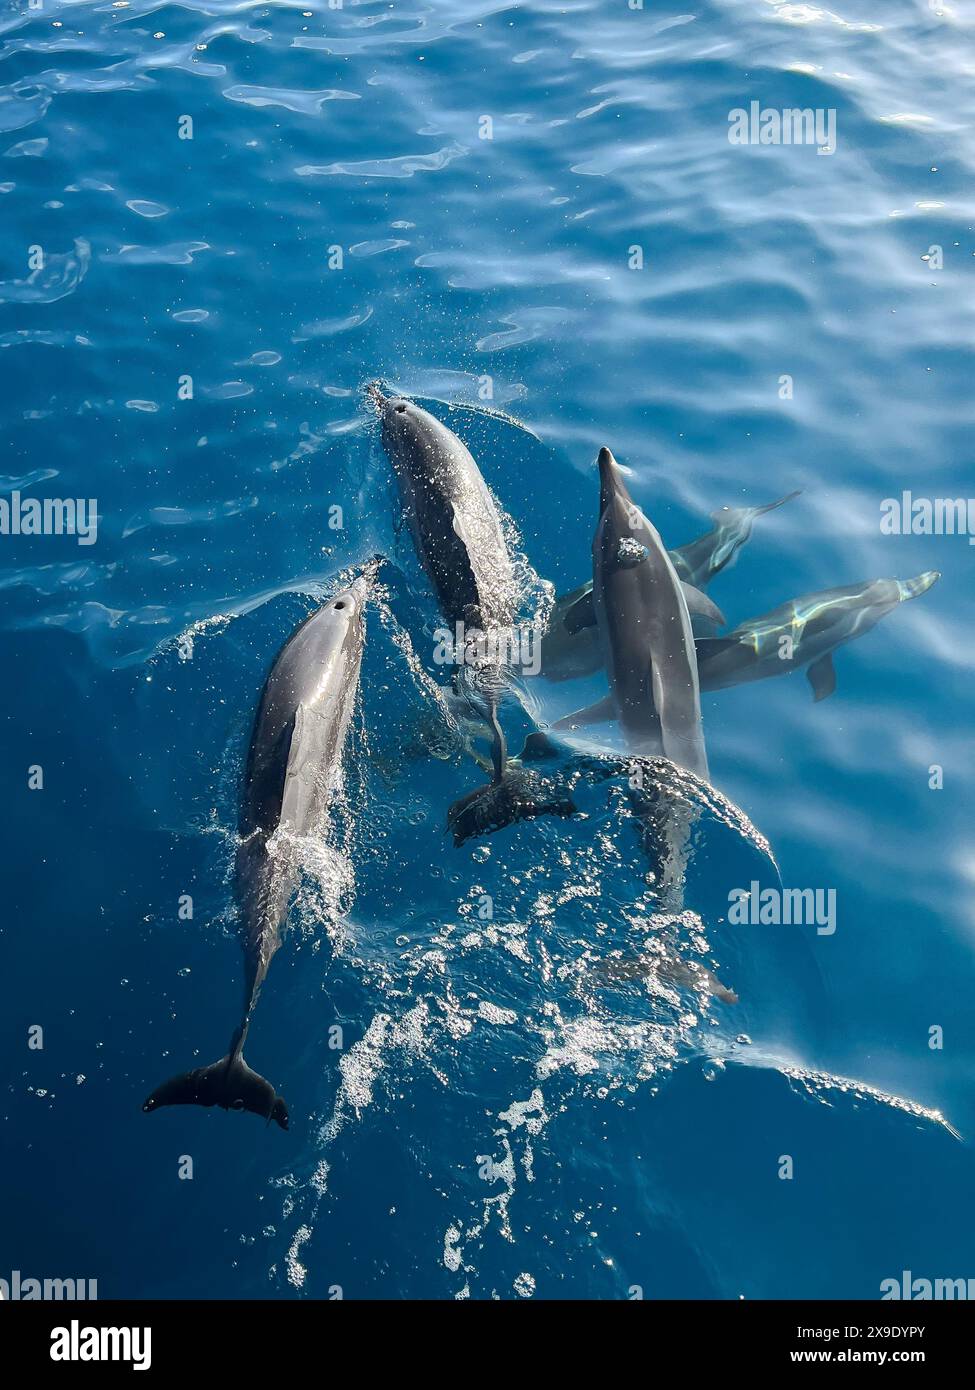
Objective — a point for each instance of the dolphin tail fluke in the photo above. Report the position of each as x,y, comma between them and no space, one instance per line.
229,1083
517,795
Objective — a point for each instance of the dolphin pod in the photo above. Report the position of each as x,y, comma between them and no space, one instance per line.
802,633
293,769
642,616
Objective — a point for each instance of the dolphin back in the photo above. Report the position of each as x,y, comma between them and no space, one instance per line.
452,516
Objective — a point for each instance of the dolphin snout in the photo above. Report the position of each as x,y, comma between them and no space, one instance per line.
609,476
362,586
386,406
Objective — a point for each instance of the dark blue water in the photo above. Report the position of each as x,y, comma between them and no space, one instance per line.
496,1121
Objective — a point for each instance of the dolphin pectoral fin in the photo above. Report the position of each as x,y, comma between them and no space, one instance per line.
565,601
302,769
822,677
700,606
229,1083
519,795
580,614
539,748
595,714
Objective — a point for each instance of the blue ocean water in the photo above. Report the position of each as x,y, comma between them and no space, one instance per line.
491,1119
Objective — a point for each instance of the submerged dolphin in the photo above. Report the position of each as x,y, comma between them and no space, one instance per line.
571,646
664,801
459,540
803,632
293,770
645,630
700,560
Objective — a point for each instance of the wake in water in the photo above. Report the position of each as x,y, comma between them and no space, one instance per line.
557,962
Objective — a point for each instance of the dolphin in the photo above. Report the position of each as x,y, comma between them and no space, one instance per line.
645,630
571,648
453,519
803,632
293,771
667,966
459,540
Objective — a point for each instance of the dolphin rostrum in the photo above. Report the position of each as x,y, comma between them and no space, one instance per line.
293,772
803,632
645,630
459,539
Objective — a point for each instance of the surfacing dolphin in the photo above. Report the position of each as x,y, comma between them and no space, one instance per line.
645,630
293,771
571,648
459,539
453,519
803,632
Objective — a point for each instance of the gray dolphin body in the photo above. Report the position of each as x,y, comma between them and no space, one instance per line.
293,771
571,647
459,540
645,630
453,519
803,632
